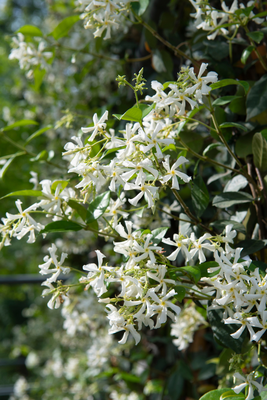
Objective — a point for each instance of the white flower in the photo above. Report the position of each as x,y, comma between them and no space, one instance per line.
172,172
96,275
99,124
247,381
57,265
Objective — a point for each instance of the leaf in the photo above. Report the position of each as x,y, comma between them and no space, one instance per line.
157,62
133,114
62,226
258,264
246,53
211,147
81,210
38,75
221,224
30,30
216,394
243,146
43,155
190,115
158,234
63,183
228,199
264,133
147,110
233,125
257,36
38,133
224,100
97,207
257,98
180,292
205,266
236,183
64,26
8,162
143,6
259,151
251,246
35,193
194,272
227,82
200,196
22,122
223,331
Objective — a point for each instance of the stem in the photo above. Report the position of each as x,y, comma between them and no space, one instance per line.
204,158
18,146
262,187
188,212
176,51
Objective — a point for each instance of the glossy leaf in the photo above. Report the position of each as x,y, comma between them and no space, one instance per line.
62,226
133,114
34,193
236,183
243,146
227,82
194,272
221,101
180,292
206,265
257,36
259,150
233,125
200,196
22,122
251,246
30,30
97,207
37,133
210,147
63,184
158,234
257,98
229,199
216,394
81,210
222,332
64,26
246,53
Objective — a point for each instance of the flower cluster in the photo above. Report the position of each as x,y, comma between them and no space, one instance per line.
209,19
28,55
103,15
186,325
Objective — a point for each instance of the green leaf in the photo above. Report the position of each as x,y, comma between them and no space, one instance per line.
22,122
43,155
192,139
158,234
211,147
147,110
228,199
257,98
194,272
143,6
258,264
38,133
264,133
216,394
8,162
63,183
257,36
62,226
64,26
35,193
222,332
259,151
38,75
224,100
236,183
233,125
251,246
206,265
246,53
133,114
97,207
243,146
30,30
227,82
190,115
221,224
81,210
200,196
180,292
